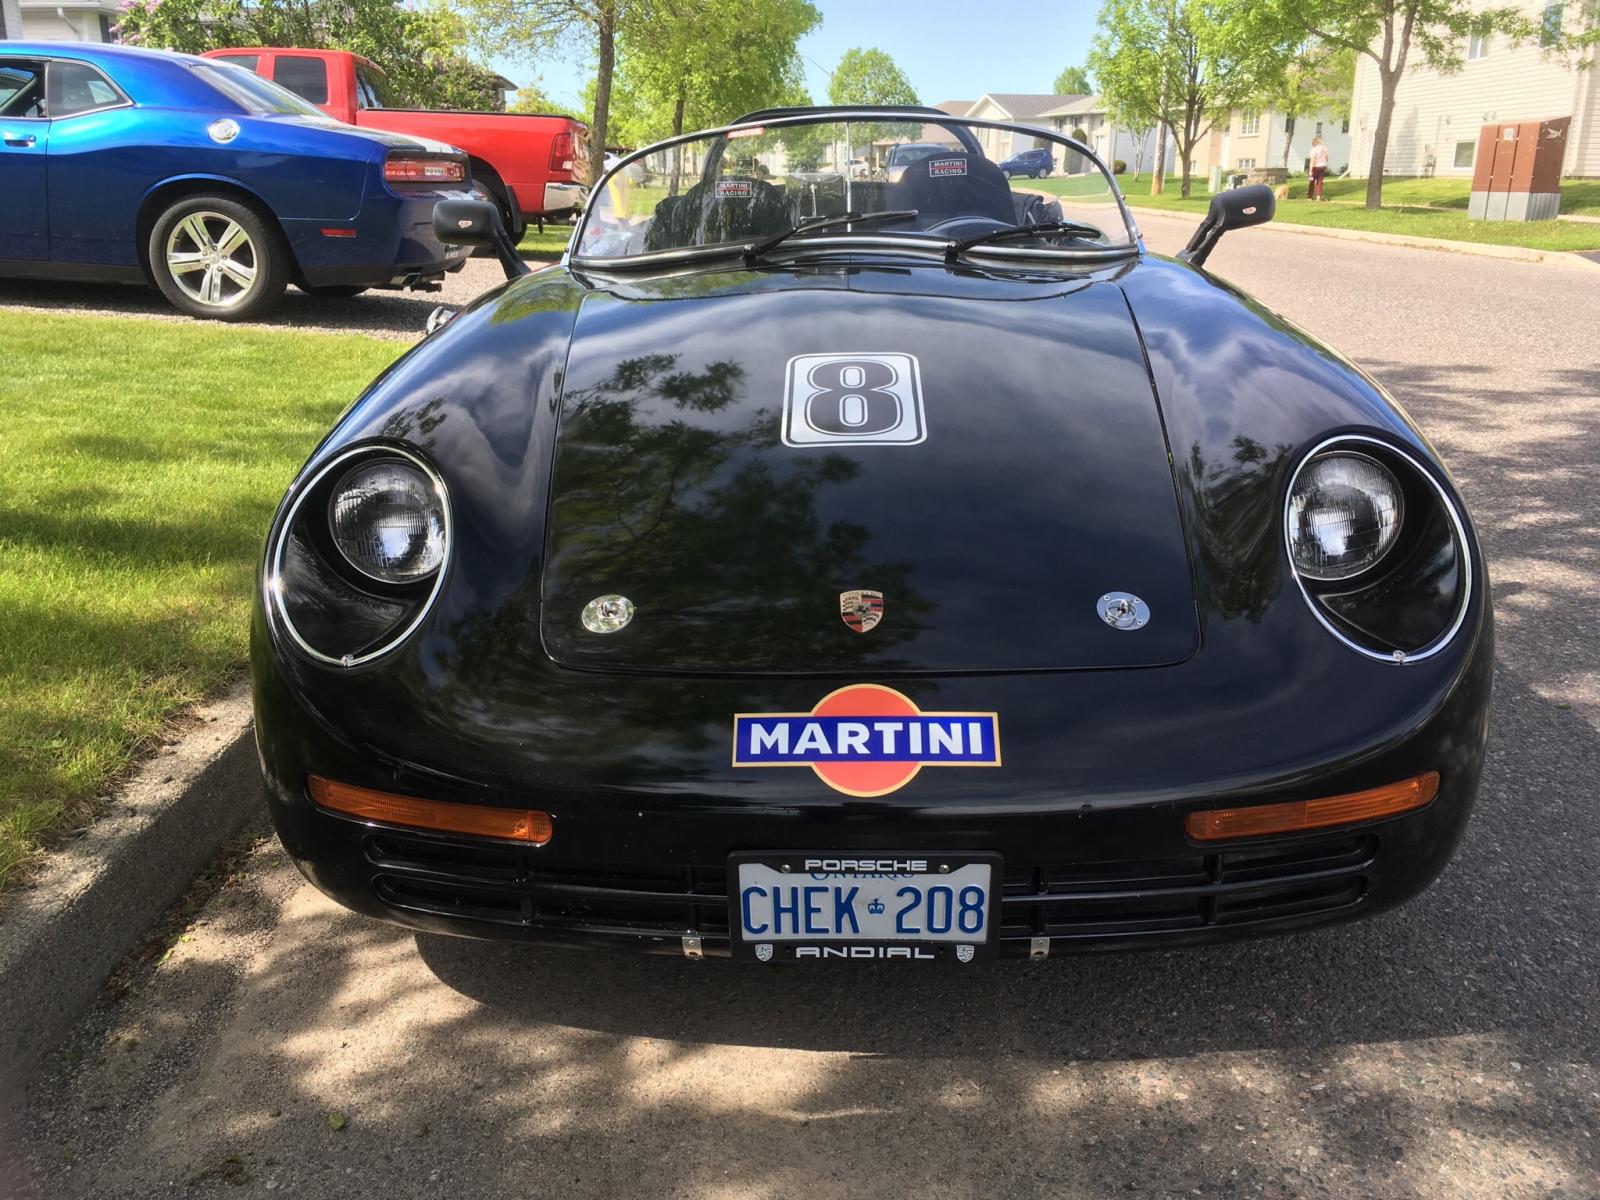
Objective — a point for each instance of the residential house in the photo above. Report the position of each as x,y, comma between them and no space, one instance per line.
1102,135
10,20
1001,144
1434,129
1258,137
65,20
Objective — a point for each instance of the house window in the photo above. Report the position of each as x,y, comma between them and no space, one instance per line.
1550,25
1249,122
1344,125
1319,128
1247,164
1466,152
1477,46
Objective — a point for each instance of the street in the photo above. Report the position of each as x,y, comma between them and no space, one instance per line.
1449,1049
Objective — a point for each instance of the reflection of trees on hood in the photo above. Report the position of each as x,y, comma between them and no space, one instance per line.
717,541
416,425
719,538
1236,534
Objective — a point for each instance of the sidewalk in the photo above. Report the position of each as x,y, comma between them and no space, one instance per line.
1575,258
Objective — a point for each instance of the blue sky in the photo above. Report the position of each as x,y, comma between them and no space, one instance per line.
950,49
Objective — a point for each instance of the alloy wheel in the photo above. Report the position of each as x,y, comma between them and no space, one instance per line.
212,259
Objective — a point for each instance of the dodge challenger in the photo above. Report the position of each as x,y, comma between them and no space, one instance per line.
213,185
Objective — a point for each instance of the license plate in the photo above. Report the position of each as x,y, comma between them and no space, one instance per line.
835,905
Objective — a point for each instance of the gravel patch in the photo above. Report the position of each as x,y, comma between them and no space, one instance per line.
393,315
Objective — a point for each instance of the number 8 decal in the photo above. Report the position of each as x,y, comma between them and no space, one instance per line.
853,399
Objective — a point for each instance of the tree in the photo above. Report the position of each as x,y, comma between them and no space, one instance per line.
1187,61
1387,31
1319,77
528,28
1074,81
421,50
869,77
532,98
721,59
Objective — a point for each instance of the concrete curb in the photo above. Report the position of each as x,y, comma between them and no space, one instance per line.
1484,250
65,932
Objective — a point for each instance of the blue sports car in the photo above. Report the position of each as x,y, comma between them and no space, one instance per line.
213,184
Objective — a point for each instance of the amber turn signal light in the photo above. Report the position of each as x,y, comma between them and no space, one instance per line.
479,820
1217,824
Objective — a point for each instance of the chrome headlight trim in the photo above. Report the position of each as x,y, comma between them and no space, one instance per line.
1457,525
272,583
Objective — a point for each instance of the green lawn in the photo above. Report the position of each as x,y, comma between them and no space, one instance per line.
547,245
1433,208
139,468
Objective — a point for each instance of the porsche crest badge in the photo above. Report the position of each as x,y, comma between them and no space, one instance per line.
861,610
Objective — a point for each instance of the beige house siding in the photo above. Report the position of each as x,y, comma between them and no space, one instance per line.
1229,145
76,21
1435,114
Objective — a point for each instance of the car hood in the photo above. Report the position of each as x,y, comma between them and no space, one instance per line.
735,451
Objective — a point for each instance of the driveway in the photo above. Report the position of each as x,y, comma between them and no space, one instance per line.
396,315
1448,1049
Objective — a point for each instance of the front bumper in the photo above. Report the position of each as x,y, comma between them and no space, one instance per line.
479,888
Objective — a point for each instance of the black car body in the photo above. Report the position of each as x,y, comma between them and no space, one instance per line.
1066,557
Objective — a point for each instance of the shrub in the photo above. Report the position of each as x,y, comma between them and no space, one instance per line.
1120,167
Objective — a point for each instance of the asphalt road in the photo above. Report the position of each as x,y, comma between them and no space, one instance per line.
1445,1050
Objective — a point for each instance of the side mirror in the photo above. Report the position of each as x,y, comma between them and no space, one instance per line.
477,223
1236,209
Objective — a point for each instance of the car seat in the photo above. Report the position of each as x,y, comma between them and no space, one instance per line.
957,184
730,208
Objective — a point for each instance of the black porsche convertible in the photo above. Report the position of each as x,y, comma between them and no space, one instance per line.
815,566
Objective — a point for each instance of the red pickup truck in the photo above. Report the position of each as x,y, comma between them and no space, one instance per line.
535,167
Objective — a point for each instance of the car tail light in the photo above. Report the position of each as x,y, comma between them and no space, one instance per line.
561,152
414,168
479,820
1390,800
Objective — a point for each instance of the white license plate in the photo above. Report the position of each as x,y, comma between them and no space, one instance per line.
863,906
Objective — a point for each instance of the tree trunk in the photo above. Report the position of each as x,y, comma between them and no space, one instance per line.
677,151
607,48
1158,177
1390,67
1288,141
1380,138
1185,148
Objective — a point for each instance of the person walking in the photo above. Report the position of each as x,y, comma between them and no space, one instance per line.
1319,169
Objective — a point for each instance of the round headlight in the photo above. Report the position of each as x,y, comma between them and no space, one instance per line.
1344,515
388,521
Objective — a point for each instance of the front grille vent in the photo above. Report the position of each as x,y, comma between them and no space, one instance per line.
1089,901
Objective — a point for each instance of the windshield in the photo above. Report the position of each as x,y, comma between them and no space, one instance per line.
253,93
748,185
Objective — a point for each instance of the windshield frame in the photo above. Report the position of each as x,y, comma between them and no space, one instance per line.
914,242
